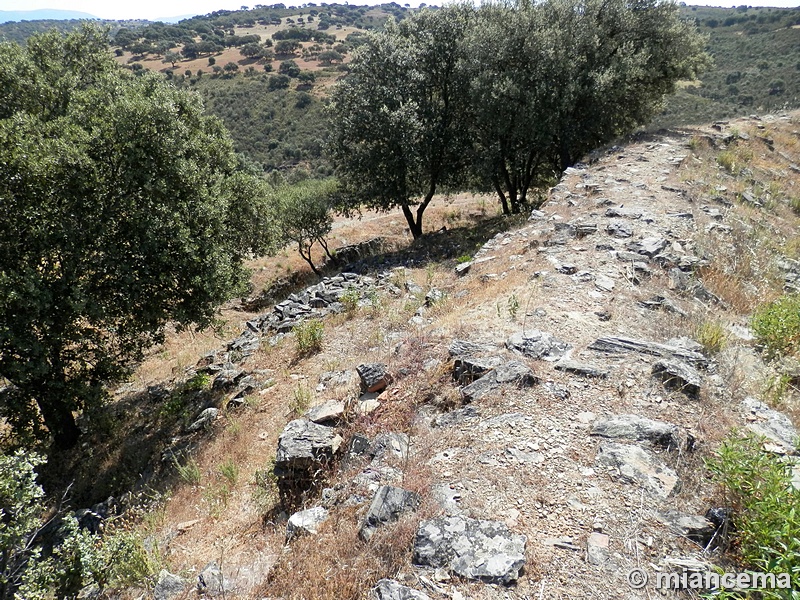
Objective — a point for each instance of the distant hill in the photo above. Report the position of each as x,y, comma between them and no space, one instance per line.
43,14
756,68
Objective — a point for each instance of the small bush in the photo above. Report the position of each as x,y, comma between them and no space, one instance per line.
777,324
350,300
308,335
712,336
766,519
230,471
301,400
189,470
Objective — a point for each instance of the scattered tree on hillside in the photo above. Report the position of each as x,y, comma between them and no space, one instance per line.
303,214
328,57
172,58
287,47
505,96
397,133
120,202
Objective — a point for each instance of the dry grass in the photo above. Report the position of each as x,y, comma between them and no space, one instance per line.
335,564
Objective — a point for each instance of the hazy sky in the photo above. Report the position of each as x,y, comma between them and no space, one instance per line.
154,9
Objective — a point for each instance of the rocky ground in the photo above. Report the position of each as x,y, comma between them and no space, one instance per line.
531,423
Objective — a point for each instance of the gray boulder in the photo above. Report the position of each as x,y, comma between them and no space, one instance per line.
538,344
204,420
511,372
778,430
387,506
617,345
306,521
638,466
584,369
636,428
168,586
212,583
327,412
481,550
389,589
678,375
303,443
374,377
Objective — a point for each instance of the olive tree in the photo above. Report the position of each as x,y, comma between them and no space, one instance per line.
397,133
120,204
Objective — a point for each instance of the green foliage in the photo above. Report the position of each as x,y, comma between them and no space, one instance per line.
126,197
777,324
303,212
513,306
505,96
712,336
308,335
76,560
199,381
350,300
230,471
396,134
188,470
766,507
301,399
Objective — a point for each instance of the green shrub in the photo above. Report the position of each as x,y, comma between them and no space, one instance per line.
188,470
350,300
79,560
712,336
301,400
777,324
765,509
309,336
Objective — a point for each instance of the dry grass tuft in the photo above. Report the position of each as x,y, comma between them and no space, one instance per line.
335,564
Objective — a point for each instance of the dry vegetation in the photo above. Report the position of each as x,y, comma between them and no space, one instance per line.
227,509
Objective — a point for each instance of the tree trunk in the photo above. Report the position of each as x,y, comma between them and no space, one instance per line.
499,190
416,230
307,258
60,423
415,225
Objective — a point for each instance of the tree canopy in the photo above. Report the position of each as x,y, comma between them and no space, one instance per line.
502,97
123,210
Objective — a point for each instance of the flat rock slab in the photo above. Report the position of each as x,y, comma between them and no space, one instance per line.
388,505
303,443
328,412
512,372
474,549
678,375
538,344
616,345
779,431
467,348
649,246
306,521
693,527
639,466
374,377
640,429
584,369
619,229
389,589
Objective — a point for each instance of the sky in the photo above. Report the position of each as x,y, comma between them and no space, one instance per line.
155,9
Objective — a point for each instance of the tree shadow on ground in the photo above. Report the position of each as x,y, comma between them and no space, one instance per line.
135,440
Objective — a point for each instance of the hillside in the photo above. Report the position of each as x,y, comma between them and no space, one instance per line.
756,54
756,68
565,376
